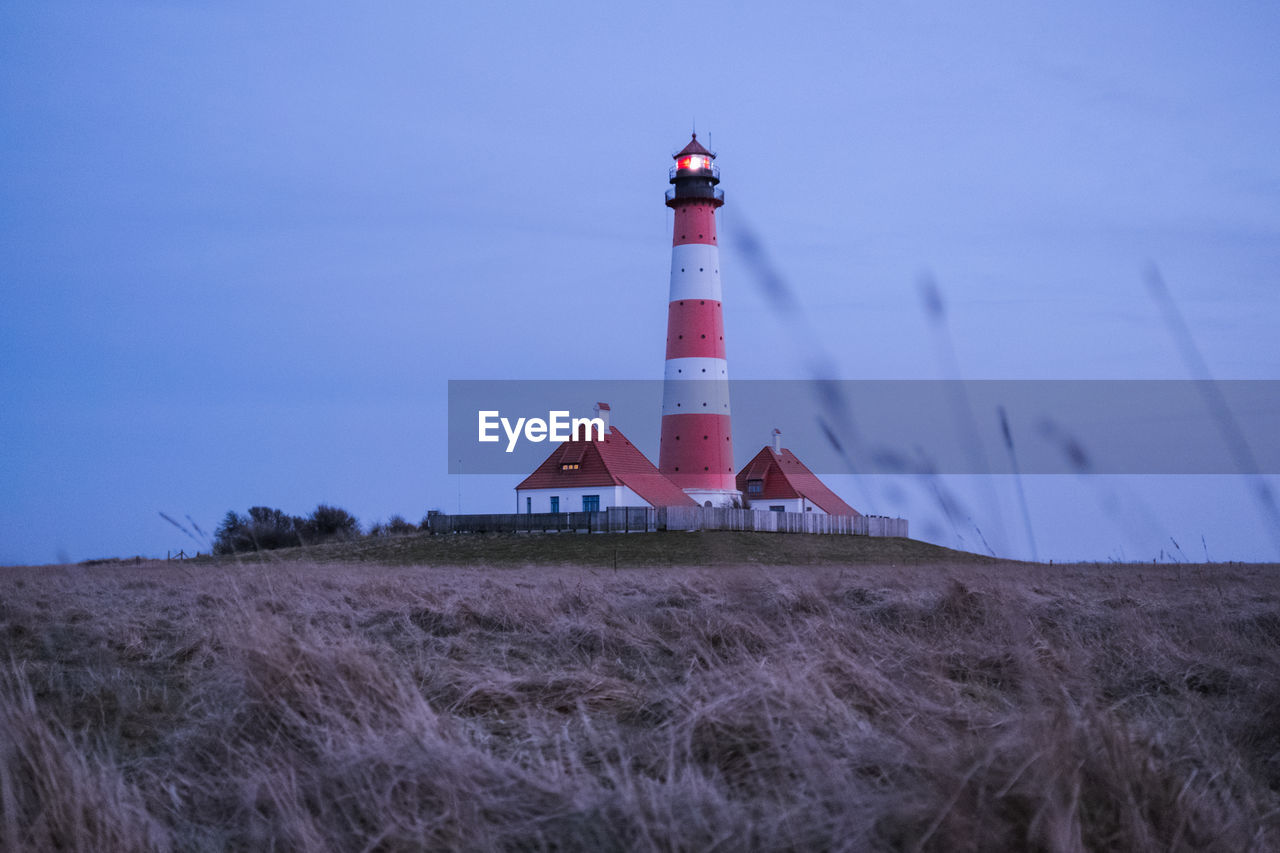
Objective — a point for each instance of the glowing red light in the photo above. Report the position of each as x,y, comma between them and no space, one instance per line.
693,161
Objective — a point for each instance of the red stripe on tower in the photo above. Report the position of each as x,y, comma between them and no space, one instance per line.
696,449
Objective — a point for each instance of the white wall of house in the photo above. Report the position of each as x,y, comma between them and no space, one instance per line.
571,499
791,505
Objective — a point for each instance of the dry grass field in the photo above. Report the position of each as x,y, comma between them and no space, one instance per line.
304,705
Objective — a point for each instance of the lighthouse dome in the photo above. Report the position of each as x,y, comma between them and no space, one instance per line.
694,147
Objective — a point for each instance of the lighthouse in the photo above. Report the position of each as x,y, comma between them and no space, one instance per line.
695,451
696,447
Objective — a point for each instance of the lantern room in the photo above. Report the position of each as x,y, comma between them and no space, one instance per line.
694,163
695,175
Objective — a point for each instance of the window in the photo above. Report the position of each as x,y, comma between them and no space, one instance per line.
528,506
590,503
755,487
555,503
777,509
571,457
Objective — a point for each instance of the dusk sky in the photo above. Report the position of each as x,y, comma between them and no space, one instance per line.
245,246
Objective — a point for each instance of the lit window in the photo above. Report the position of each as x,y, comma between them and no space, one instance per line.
569,466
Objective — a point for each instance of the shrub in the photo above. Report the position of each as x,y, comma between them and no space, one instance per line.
231,534
264,529
395,526
327,523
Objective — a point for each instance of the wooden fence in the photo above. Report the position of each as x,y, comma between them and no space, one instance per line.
648,520
622,519
725,518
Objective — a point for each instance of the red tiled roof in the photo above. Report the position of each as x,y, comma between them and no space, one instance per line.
785,477
694,147
757,468
613,461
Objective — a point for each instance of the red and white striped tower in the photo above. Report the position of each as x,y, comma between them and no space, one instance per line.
696,449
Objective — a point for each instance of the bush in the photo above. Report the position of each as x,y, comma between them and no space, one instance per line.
327,523
264,529
398,526
395,526
230,534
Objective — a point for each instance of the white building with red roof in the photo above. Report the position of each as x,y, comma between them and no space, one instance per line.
776,480
587,476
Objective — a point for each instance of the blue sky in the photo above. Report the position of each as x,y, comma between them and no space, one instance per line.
243,248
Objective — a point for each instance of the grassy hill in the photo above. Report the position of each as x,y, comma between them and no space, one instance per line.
624,550
947,706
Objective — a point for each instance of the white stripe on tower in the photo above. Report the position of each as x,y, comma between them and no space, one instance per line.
695,272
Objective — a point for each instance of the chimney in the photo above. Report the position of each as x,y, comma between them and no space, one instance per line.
777,441
602,412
